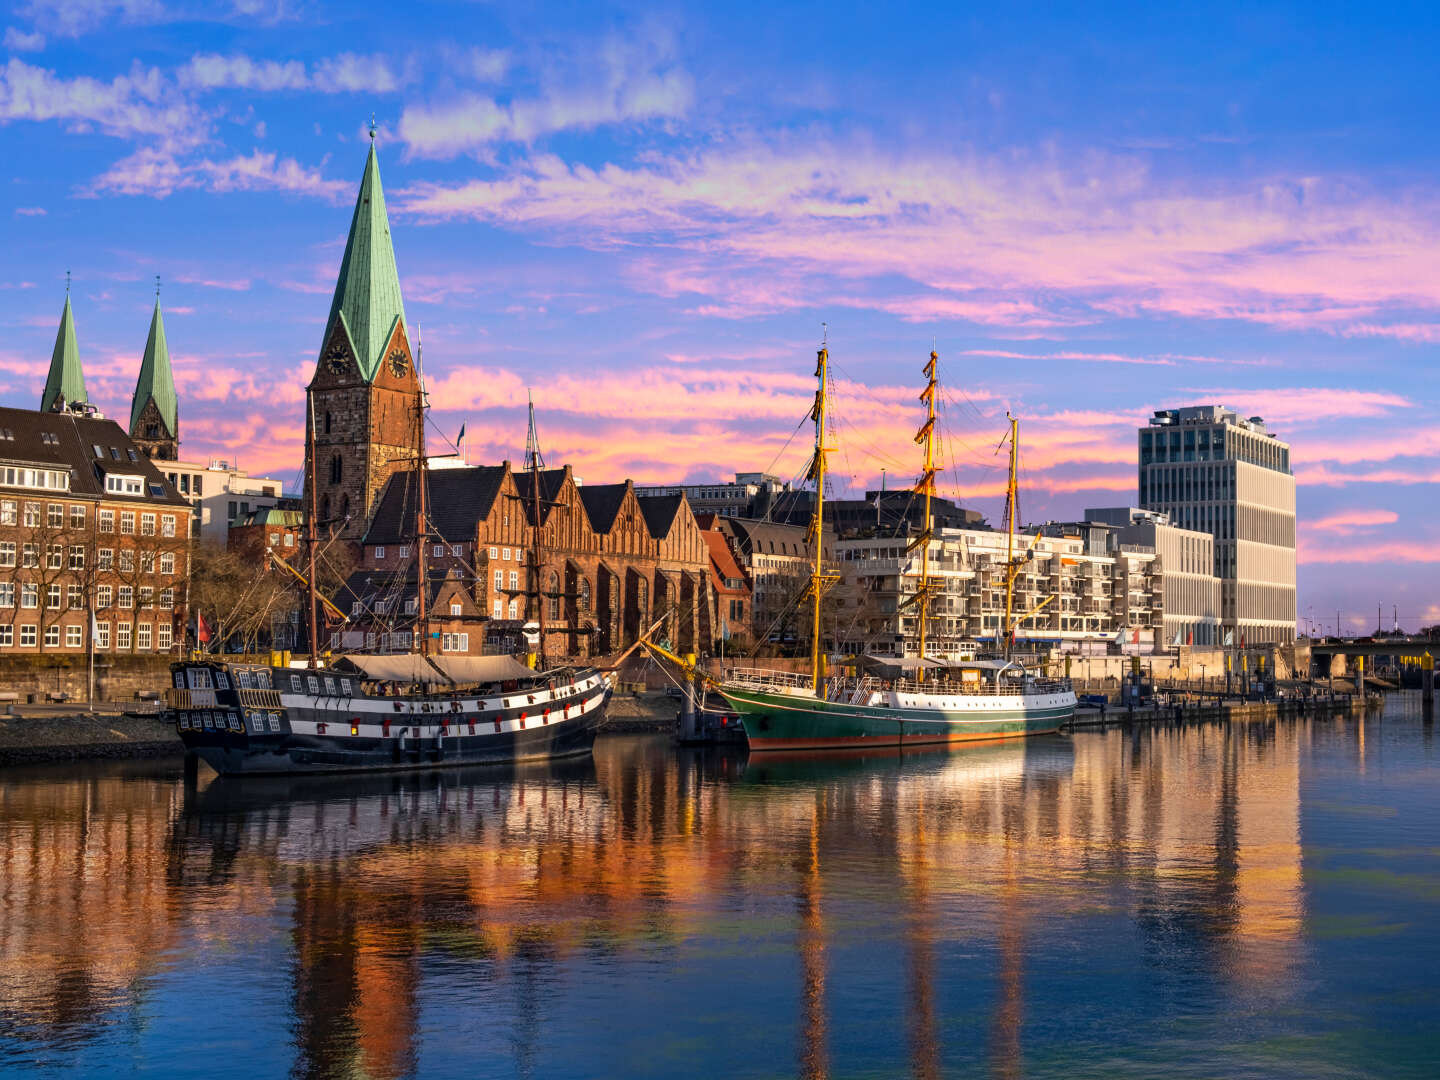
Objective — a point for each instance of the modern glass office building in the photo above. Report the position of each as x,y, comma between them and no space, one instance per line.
1214,471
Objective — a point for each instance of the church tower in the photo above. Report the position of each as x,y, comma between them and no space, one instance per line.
65,385
155,411
362,416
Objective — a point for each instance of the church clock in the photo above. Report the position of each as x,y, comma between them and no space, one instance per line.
337,361
399,363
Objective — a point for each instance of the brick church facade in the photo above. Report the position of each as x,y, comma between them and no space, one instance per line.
363,416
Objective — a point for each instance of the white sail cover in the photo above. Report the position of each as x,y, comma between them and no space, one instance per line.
411,668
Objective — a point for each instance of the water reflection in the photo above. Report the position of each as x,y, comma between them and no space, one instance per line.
418,913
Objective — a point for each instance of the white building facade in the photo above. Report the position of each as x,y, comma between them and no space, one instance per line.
1214,471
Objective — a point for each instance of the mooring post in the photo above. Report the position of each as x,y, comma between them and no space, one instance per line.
687,713
1427,683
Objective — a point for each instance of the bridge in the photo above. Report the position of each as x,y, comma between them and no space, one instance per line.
1411,646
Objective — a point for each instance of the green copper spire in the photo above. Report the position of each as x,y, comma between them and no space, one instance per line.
66,376
367,292
156,380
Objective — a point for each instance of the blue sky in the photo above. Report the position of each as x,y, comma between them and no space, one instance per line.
646,214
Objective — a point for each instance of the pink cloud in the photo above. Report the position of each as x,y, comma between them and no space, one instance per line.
1348,521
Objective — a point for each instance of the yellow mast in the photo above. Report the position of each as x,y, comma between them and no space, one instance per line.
926,436
816,535
1012,569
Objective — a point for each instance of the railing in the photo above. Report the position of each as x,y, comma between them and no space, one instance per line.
1009,688
766,679
177,698
260,699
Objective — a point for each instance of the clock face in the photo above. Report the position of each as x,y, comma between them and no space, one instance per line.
337,361
399,363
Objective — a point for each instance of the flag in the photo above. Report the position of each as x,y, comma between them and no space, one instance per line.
202,632
1242,639
1189,637
461,437
1135,637
1229,637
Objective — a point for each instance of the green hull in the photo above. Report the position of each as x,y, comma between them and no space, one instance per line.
778,721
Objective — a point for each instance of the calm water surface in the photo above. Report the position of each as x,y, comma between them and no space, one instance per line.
1221,900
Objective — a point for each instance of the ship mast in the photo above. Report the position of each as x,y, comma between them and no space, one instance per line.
534,464
1012,568
421,521
816,534
310,536
926,437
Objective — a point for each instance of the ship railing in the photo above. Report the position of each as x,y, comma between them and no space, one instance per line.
860,690
767,679
177,698
259,699
982,688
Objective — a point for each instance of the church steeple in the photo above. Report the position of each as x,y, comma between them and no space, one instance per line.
66,379
364,394
155,409
367,297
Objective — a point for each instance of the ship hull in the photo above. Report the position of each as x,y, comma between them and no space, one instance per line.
232,754
318,723
780,721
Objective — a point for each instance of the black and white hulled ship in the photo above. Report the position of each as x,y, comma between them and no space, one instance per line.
370,713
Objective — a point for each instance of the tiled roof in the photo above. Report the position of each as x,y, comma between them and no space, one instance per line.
551,481
90,448
602,504
660,511
457,500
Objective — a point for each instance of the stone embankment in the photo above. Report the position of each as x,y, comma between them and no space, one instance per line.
645,712
46,736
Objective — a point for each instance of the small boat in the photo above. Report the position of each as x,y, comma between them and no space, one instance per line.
374,713
968,702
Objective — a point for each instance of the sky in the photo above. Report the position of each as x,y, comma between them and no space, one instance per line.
650,215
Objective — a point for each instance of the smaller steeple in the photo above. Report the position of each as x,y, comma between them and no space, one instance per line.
65,385
155,410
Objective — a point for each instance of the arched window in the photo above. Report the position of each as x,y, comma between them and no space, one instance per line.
584,594
345,507
337,469
327,423
554,591
325,508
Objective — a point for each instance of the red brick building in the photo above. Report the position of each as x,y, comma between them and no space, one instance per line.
609,565
87,524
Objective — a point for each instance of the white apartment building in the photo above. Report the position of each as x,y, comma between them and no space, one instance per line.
1214,471
221,495
1185,559
1070,593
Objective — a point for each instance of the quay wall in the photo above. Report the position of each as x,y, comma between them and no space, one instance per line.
117,678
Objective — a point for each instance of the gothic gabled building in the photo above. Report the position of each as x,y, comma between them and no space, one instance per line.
155,410
362,416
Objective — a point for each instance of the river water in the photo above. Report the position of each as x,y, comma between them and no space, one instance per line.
1210,900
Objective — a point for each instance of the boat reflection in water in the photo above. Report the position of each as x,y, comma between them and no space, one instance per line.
781,914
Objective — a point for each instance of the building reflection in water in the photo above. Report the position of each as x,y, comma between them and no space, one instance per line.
480,887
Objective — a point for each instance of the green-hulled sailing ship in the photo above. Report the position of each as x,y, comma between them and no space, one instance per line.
994,699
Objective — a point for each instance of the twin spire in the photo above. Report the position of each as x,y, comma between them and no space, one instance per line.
155,409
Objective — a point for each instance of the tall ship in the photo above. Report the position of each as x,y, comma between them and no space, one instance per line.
943,702
373,712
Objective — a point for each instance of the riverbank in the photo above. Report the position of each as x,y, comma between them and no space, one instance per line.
71,736
1228,710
